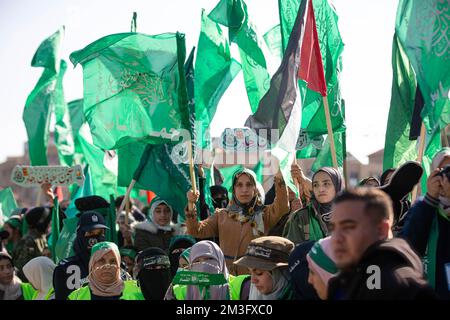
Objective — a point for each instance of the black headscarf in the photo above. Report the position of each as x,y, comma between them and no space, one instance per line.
152,272
324,209
219,195
177,245
298,268
82,245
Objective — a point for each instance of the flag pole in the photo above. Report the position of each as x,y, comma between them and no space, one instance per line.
296,182
422,138
330,131
192,173
38,198
126,197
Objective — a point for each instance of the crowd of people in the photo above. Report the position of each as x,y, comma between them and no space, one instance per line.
326,243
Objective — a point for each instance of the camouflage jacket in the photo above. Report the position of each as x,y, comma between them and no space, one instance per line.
31,246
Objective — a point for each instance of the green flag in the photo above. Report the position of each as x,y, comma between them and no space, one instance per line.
422,28
77,119
64,245
85,190
7,204
233,14
214,71
63,131
398,148
154,168
43,98
133,87
55,229
323,157
103,178
273,41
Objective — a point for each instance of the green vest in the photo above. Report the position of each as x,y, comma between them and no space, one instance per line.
131,291
234,285
179,291
50,294
28,292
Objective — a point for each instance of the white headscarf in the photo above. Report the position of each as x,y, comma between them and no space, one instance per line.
436,163
280,280
152,211
439,157
39,272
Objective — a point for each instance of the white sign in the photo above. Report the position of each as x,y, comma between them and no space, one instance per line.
28,176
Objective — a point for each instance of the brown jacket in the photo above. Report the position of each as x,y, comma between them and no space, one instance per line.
235,236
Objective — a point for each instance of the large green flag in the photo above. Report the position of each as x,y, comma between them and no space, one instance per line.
214,71
7,204
43,98
398,148
233,14
132,87
63,131
423,29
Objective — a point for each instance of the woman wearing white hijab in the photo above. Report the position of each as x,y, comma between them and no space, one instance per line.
158,230
39,272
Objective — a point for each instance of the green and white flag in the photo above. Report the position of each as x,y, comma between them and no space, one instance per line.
252,48
45,97
133,88
215,69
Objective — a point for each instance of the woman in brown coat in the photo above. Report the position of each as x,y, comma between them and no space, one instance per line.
245,218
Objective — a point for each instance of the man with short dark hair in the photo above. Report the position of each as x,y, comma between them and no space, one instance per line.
372,267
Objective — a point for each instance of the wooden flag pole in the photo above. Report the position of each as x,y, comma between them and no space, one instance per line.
330,131
127,211
192,173
126,197
38,199
422,138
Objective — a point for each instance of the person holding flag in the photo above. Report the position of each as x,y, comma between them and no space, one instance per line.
245,218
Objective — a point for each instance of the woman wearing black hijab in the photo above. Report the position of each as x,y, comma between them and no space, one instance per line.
177,245
152,271
311,222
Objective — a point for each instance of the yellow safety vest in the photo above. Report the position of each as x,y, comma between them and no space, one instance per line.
28,292
131,291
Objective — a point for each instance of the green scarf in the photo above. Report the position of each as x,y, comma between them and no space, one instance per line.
430,257
315,230
202,280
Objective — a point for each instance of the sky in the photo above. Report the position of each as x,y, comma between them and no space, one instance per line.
366,28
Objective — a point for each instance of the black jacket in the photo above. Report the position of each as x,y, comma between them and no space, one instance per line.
69,275
400,275
418,227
